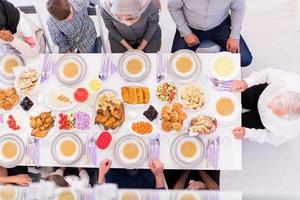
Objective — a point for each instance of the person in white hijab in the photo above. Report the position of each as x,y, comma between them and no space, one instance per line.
273,100
132,24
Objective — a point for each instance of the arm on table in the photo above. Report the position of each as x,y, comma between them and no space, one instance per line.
209,182
180,183
21,179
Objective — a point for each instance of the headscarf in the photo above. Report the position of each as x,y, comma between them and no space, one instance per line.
290,102
134,8
9,16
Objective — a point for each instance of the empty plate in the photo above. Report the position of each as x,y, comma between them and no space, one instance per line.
185,66
134,66
70,69
67,148
12,150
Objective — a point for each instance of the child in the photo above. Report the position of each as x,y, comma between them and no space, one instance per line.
70,27
72,181
18,34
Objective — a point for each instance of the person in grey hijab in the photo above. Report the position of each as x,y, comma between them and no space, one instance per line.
132,24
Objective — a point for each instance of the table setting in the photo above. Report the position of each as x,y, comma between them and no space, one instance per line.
79,109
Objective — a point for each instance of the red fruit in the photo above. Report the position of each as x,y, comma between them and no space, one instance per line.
81,95
10,117
61,114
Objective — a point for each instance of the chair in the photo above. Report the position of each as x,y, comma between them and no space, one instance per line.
208,46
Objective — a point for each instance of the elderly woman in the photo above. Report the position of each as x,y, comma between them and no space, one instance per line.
132,24
273,98
18,34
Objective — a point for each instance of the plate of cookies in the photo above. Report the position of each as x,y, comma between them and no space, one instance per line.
173,117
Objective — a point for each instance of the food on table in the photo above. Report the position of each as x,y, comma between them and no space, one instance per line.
78,120
68,148
135,95
27,81
142,127
192,96
188,196
26,103
71,69
134,66
82,120
203,125
104,140
66,195
184,64
110,111
95,85
225,106
81,95
166,92
8,98
61,99
224,66
42,124
130,195
131,151
8,63
151,113
8,192
12,123
172,117
188,149
9,149
66,122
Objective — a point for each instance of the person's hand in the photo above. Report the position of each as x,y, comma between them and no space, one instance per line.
157,168
21,179
6,36
191,40
196,185
143,45
239,133
103,169
239,86
233,45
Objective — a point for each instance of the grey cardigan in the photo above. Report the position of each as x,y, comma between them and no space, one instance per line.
145,28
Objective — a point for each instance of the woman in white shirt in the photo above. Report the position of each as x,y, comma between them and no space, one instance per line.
273,100
18,34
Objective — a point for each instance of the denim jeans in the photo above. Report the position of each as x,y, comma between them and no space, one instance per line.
219,35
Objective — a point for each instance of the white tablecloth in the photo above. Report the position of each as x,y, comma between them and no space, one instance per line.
230,157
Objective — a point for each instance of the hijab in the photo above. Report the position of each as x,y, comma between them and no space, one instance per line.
9,16
133,8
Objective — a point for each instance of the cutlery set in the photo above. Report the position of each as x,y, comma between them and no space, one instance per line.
33,152
212,152
48,67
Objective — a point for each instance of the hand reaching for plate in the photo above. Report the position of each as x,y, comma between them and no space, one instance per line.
239,86
239,133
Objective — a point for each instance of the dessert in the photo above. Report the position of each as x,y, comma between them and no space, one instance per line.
172,117
26,103
151,113
142,127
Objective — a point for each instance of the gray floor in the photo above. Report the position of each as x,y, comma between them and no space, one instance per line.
272,30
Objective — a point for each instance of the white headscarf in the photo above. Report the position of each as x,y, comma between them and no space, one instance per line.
290,102
134,8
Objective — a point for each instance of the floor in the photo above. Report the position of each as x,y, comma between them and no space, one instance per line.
272,31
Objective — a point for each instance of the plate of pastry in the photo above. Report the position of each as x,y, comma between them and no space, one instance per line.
109,112
188,150
67,148
135,95
226,106
40,124
9,98
12,150
27,80
172,117
131,151
192,96
61,99
70,69
202,125
134,66
185,66
7,65
224,67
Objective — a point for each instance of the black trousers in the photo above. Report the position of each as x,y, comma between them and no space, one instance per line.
251,119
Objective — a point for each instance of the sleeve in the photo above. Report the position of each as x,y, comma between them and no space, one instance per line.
110,25
176,10
265,136
27,45
152,23
238,8
267,75
84,177
58,38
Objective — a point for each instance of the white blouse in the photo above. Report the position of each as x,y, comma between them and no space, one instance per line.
278,130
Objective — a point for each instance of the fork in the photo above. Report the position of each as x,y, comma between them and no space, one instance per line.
48,65
104,68
154,148
221,85
160,67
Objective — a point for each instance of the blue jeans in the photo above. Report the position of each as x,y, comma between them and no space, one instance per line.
219,35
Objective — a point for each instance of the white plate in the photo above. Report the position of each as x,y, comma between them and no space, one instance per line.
60,191
121,194
237,106
201,89
10,77
137,105
236,68
17,191
12,162
75,58
192,194
146,136
180,158
193,74
140,55
58,156
134,163
18,72
68,92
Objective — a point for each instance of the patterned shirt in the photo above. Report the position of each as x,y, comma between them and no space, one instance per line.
77,33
